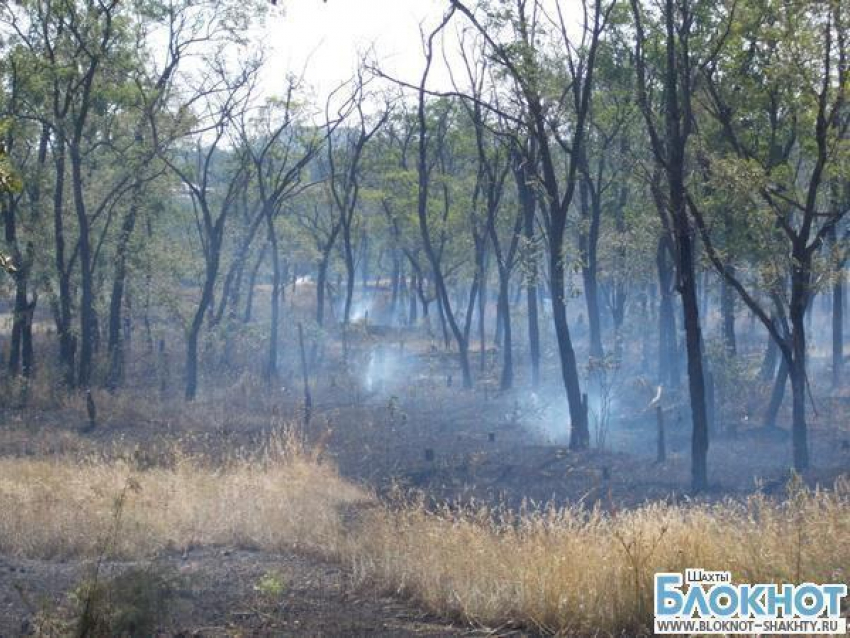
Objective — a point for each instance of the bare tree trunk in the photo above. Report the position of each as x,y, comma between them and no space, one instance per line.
115,345
86,284
252,283
668,352
348,253
62,310
619,290
365,248
533,332
497,334
771,354
523,175
277,279
590,207
580,432
395,282
305,374
696,372
146,320
412,316
727,311
192,355
837,320
837,333
482,308
776,395
442,316
193,334
321,285
403,297
20,347
797,365
507,379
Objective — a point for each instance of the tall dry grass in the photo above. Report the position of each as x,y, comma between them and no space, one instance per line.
573,572
62,507
562,571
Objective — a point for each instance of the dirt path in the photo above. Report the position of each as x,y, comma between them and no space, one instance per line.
222,592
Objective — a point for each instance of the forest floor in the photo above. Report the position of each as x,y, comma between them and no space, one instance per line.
400,430
222,592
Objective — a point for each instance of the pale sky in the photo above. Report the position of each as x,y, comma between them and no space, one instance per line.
327,37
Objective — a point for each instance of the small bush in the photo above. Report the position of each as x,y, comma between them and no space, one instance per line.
133,603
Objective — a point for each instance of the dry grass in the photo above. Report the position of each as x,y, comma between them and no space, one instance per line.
564,571
571,572
62,508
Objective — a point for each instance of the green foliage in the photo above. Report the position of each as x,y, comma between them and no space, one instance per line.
10,180
271,586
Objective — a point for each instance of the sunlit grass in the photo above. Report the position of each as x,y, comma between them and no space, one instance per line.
566,571
570,571
59,507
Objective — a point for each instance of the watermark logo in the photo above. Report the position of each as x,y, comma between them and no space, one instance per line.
707,602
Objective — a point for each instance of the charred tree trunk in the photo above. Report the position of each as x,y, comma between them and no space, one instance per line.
87,319
20,347
62,310
115,342
482,307
771,354
21,359
693,341
727,311
588,241
580,433
193,334
271,370
305,375
321,285
668,351
395,287
523,175
252,283
776,396
693,337
148,286
619,284
365,248
507,379
14,363
837,332
442,316
404,294
800,295
413,310
231,289
348,254
837,319
497,333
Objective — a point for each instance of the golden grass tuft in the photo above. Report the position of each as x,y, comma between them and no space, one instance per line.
65,508
573,572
